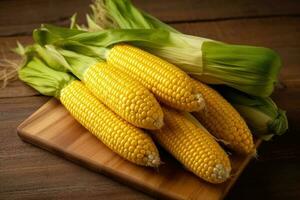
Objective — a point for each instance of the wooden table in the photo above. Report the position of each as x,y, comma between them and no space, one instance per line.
27,172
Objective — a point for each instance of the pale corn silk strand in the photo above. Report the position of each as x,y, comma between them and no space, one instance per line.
124,95
103,20
8,72
126,140
8,69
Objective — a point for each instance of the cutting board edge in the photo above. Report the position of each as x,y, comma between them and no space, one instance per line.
102,169
34,114
88,165
240,171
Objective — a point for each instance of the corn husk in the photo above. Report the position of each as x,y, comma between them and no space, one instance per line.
250,69
261,114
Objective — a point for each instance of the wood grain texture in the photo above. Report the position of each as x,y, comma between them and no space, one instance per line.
31,13
17,89
26,172
275,174
21,17
31,173
216,10
54,129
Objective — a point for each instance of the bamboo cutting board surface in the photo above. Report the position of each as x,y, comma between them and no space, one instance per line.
52,128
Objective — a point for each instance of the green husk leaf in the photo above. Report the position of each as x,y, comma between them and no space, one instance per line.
238,66
123,13
20,49
246,68
96,44
62,56
91,51
250,69
253,70
71,61
49,34
157,24
51,58
73,20
91,24
261,114
78,63
43,36
44,79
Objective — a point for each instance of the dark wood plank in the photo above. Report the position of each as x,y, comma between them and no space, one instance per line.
52,128
275,174
17,109
17,89
27,172
274,180
41,175
7,44
21,17
199,10
31,13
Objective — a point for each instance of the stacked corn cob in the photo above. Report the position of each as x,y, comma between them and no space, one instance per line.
118,96
131,100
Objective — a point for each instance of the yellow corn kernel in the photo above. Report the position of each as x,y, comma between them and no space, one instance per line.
168,83
125,96
223,121
124,139
194,147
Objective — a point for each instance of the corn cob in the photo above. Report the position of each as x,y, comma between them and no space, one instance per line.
123,138
167,82
223,121
123,95
194,147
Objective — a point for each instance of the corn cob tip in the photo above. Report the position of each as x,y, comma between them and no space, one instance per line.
251,152
246,147
152,160
159,123
220,173
200,101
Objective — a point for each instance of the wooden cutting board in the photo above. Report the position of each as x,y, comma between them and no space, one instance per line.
52,128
